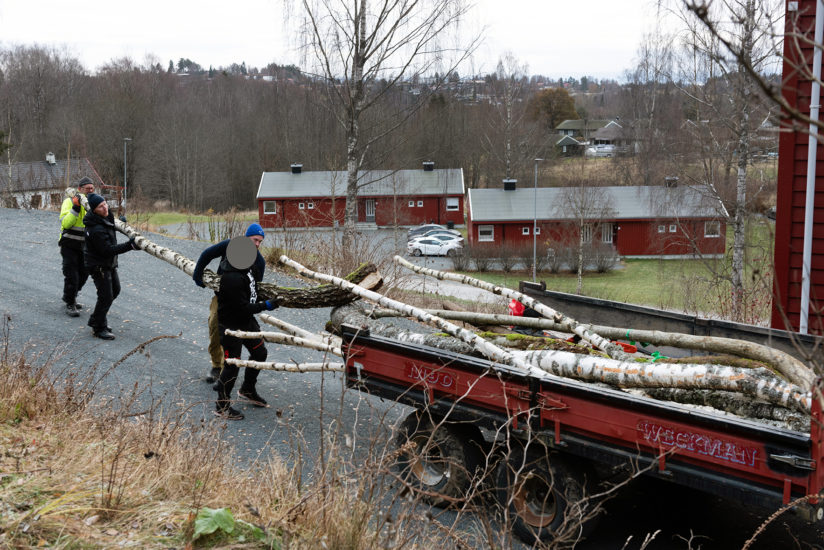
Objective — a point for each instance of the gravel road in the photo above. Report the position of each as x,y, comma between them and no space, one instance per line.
158,299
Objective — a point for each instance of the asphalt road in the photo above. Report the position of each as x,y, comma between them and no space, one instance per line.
158,299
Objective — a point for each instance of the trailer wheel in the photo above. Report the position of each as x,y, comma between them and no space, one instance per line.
442,462
541,494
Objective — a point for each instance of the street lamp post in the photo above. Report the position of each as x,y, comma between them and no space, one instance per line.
535,223
125,188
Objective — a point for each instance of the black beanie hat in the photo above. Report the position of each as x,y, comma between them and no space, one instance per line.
94,200
85,180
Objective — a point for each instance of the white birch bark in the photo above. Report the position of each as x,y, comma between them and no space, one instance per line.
785,364
287,367
482,346
295,330
569,323
278,338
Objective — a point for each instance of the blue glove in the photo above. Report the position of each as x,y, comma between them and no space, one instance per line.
271,304
198,279
122,218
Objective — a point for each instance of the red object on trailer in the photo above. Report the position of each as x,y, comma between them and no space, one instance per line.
725,455
793,150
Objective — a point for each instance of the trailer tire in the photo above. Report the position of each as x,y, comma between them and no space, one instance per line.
540,493
443,473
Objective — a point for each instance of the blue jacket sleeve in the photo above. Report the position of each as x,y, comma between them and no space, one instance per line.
215,251
260,267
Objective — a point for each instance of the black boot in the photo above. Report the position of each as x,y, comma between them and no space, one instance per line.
214,374
71,310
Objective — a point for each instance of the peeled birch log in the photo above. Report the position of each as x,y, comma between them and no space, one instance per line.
613,350
303,298
785,364
482,346
289,340
287,367
759,383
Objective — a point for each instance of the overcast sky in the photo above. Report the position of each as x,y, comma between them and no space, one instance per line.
553,37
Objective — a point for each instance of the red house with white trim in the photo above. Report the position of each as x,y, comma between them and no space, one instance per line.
385,199
637,221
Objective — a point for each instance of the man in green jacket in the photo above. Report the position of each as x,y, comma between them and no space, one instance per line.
72,236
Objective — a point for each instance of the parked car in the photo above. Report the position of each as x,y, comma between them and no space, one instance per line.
419,230
428,246
442,236
601,151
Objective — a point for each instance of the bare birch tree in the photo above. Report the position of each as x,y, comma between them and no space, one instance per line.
366,50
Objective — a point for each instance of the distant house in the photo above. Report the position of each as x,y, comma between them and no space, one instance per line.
42,184
637,221
385,199
577,135
583,127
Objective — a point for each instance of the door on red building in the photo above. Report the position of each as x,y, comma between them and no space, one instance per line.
370,210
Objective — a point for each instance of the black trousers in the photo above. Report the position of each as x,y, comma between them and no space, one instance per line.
108,287
74,273
231,349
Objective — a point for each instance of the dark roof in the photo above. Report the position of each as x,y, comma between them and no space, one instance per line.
375,183
42,176
567,140
612,131
620,202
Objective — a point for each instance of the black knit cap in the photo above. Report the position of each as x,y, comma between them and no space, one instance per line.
94,200
85,180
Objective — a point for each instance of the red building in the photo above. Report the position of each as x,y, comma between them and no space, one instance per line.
793,179
385,198
637,221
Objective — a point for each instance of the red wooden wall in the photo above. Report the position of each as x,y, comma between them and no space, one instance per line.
792,185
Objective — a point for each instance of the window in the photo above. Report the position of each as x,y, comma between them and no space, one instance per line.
310,205
452,204
662,228
537,230
712,228
606,233
411,204
420,204
525,230
586,233
270,207
301,205
486,233
673,228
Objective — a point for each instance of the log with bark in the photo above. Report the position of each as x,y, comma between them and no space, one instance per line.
366,275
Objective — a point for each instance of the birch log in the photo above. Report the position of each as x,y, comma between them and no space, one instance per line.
302,298
482,346
287,367
287,339
613,350
785,364
295,330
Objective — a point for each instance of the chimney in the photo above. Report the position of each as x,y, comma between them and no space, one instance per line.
428,166
296,168
509,185
671,181
50,158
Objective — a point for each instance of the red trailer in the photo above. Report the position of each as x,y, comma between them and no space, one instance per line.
569,431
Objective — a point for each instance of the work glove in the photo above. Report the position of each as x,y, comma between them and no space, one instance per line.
76,202
271,304
133,244
198,279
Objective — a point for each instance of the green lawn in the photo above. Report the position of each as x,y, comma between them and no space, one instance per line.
169,218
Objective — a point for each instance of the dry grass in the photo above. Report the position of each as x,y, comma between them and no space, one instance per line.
79,472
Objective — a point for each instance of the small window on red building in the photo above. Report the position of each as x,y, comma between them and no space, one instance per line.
712,228
525,230
270,207
411,204
662,228
673,228
452,204
310,205
420,204
301,205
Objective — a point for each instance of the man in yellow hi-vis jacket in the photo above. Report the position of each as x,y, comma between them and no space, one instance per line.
72,235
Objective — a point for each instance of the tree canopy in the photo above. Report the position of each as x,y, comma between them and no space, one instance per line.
552,106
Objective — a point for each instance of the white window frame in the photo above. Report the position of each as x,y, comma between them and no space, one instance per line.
301,206
452,204
411,204
673,228
420,204
710,224
310,205
274,207
606,233
486,238
586,233
662,228
537,230
525,230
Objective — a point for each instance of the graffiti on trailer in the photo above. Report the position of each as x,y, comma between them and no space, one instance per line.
431,376
696,442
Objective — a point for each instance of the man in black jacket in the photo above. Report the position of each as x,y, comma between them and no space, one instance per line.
100,250
237,303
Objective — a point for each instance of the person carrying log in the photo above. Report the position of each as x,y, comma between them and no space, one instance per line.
216,353
100,251
72,235
237,303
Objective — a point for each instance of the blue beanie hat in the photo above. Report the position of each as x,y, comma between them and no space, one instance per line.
94,200
254,229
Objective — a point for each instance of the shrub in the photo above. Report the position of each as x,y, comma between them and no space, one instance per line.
507,256
461,260
603,258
